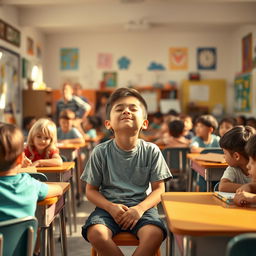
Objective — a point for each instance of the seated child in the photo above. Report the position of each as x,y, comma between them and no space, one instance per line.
233,143
177,131
89,126
205,126
117,176
226,124
66,133
241,120
41,146
19,192
189,134
246,194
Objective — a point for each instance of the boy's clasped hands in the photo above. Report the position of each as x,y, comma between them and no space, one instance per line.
126,217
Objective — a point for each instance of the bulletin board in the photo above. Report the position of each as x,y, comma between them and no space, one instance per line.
243,93
203,93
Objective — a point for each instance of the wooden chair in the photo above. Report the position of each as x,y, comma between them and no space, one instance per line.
17,236
125,239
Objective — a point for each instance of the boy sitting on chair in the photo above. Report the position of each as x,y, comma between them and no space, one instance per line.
118,174
233,143
19,192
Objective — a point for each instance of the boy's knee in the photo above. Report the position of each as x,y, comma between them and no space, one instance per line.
98,233
150,232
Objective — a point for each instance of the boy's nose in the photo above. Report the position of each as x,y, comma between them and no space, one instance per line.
126,111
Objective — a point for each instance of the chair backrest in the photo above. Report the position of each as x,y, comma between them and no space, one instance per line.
176,158
212,150
216,187
242,245
17,236
39,176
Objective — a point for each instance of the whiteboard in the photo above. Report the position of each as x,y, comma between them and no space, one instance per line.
167,104
199,92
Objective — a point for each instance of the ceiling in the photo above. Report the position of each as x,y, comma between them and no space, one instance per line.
89,16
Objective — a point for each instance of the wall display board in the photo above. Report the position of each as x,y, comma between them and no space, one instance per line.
243,94
10,89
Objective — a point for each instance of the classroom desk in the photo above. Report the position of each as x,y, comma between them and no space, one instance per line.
210,171
63,173
47,211
68,150
205,222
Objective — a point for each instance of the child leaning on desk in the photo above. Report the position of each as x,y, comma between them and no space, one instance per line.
19,192
205,125
118,174
41,147
233,144
246,194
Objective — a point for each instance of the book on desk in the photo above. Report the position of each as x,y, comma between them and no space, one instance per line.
227,197
211,157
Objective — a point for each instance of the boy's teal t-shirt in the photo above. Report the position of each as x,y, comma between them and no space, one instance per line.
19,195
198,142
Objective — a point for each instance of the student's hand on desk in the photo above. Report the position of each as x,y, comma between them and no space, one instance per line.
117,210
244,198
130,218
26,162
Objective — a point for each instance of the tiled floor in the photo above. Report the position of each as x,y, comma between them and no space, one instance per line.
77,246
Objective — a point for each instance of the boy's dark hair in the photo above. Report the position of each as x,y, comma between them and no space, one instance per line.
235,139
242,119
250,147
158,115
123,93
230,120
11,145
176,128
67,114
251,121
27,120
207,120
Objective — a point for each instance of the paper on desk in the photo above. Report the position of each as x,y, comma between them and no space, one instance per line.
211,157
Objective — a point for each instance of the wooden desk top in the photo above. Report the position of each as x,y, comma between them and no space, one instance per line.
201,213
66,166
206,164
52,200
71,145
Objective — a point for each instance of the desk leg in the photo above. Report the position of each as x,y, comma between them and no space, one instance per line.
44,242
63,233
52,243
73,201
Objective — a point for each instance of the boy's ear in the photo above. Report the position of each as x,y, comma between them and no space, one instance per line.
236,155
107,124
145,125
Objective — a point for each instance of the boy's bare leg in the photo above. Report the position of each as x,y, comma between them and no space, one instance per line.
150,237
100,237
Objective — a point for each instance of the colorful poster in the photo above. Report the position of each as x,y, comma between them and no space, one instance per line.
105,60
247,53
69,58
243,93
178,58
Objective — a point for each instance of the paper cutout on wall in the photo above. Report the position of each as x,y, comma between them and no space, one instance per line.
123,63
178,58
155,66
69,58
105,60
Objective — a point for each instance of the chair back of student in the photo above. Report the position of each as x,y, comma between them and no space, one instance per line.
242,245
17,236
39,176
176,159
212,150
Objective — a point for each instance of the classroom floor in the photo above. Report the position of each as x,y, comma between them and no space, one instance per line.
78,246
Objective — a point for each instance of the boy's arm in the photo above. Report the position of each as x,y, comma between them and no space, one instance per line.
131,217
94,196
54,190
194,149
227,186
250,187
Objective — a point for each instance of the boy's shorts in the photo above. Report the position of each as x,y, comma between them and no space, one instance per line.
100,216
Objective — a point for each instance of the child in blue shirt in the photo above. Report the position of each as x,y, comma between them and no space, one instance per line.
204,127
19,192
117,176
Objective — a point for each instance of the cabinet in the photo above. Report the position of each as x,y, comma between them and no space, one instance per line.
37,103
